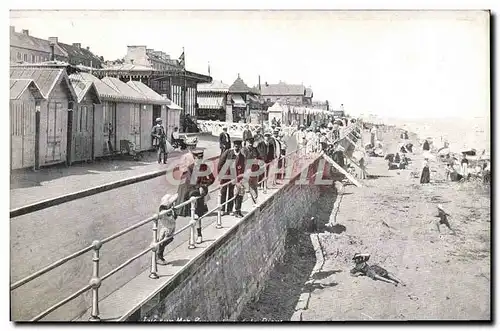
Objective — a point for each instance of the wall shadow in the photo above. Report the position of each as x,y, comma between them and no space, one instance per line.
282,290
288,278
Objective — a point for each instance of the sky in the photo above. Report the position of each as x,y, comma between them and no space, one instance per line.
392,64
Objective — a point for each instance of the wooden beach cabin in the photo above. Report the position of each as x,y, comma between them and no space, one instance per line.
104,140
58,93
159,104
25,97
134,118
81,123
173,118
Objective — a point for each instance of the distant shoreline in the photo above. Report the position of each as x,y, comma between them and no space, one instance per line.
461,136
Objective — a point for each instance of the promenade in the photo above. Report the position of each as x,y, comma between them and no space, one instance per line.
40,238
28,187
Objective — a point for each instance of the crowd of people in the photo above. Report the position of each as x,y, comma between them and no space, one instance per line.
457,164
460,167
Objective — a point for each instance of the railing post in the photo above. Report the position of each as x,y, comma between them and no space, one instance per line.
154,249
264,188
193,224
95,282
218,224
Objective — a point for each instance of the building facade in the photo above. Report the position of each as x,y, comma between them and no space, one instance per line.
241,101
165,76
291,94
25,48
212,100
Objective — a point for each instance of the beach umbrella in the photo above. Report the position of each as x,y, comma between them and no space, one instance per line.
444,151
470,152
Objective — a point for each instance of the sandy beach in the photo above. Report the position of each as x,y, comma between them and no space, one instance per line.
392,218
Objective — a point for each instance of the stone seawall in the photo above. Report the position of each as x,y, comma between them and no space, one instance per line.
223,279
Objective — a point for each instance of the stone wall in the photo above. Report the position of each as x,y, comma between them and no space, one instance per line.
218,284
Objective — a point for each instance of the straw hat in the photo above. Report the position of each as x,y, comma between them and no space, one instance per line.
168,199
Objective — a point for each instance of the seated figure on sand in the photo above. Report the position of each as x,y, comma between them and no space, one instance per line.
375,150
452,174
396,161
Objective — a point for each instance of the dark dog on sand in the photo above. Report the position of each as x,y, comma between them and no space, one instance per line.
375,272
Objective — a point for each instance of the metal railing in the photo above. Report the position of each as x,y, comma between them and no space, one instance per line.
96,279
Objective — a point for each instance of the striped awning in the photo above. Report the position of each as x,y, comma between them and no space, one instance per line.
238,101
174,106
210,102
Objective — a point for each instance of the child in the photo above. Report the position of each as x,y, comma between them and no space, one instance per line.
239,194
443,218
167,225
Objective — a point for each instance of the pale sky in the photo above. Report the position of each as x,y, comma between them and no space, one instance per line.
393,64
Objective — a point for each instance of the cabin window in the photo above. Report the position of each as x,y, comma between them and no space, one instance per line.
298,99
19,56
32,59
25,57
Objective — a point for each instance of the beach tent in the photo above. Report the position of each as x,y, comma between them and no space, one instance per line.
276,112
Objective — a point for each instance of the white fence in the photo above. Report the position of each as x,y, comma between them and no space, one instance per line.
236,129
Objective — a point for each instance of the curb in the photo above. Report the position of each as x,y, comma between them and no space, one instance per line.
44,204
304,298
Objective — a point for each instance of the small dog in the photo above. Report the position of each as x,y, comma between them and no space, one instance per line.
414,174
375,272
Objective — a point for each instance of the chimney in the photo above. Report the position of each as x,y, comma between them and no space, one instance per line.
26,32
52,43
78,45
12,29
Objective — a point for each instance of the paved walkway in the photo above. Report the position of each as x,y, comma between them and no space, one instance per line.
28,187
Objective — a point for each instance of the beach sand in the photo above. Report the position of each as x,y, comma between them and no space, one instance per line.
392,218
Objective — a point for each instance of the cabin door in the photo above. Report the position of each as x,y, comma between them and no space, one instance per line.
22,133
55,127
135,126
173,119
82,133
109,113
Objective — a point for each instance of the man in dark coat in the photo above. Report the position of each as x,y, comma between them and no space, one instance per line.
159,140
270,152
194,182
202,178
232,158
261,147
277,144
247,134
252,155
224,141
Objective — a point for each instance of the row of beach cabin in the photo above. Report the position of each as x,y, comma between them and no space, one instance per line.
61,115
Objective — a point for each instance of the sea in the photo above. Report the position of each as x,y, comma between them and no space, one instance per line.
461,133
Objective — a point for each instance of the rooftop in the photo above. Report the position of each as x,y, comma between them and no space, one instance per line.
19,86
239,86
46,78
214,86
283,89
